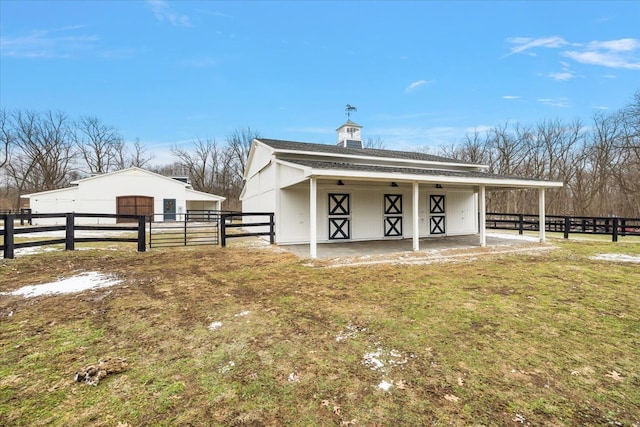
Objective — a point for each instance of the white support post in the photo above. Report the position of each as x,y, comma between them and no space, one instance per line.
278,211
482,219
313,220
541,214
416,216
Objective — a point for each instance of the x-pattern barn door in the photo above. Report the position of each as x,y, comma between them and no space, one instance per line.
436,214
339,216
393,215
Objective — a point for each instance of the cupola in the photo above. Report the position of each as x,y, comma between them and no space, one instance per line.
349,135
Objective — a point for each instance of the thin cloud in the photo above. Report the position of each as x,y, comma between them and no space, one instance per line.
610,59
56,43
525,43
415,85
480,129
555,102
510,97
162,11
563,76
620,45
620,53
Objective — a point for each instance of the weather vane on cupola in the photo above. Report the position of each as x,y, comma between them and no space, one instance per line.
350,109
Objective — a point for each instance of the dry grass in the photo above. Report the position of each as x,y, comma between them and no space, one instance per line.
547,338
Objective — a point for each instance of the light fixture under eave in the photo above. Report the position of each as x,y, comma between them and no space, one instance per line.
394,184
438,185
340,182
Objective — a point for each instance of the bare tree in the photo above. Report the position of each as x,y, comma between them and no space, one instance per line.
130,155
239,142
6,138
44,151
374,143
200,163
97,144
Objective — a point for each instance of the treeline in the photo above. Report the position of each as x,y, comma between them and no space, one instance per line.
599,163
49,150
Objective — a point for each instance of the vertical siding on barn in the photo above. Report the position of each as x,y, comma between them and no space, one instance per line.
293,215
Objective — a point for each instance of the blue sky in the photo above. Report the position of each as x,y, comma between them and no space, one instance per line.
420,73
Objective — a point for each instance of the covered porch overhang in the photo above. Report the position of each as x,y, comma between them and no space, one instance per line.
479,181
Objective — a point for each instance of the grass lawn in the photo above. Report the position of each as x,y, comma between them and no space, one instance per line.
242,336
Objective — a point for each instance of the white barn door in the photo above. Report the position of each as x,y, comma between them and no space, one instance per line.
339,216
392,215
437,214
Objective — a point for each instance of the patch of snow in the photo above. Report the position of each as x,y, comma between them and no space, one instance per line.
226,368
293,377
385,385
80,233
33,250
616,258
215,325
351,331
242,313
77,283
514,237
372,360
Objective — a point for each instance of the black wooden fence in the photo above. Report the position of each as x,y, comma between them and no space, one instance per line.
226,223
194,228
22,214
613,226
9,231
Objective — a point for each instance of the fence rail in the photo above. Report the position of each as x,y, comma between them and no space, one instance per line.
23,214
9,231
227,223
613,226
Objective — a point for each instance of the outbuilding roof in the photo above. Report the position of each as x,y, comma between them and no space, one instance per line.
438,174
280,145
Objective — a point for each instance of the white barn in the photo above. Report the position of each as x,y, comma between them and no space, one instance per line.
331,193
128,191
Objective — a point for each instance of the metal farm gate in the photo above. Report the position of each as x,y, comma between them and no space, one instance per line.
186,230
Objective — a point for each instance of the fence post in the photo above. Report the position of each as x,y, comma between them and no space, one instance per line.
272,232
567,226
142,233
223,230
8,236
623,227
614,235
185,233
520,224
69,243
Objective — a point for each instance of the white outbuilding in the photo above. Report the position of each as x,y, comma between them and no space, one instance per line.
334,193
131,191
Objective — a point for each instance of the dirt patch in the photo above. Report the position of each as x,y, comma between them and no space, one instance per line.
431,257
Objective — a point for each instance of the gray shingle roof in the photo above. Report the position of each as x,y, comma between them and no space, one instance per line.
401,170
361,152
